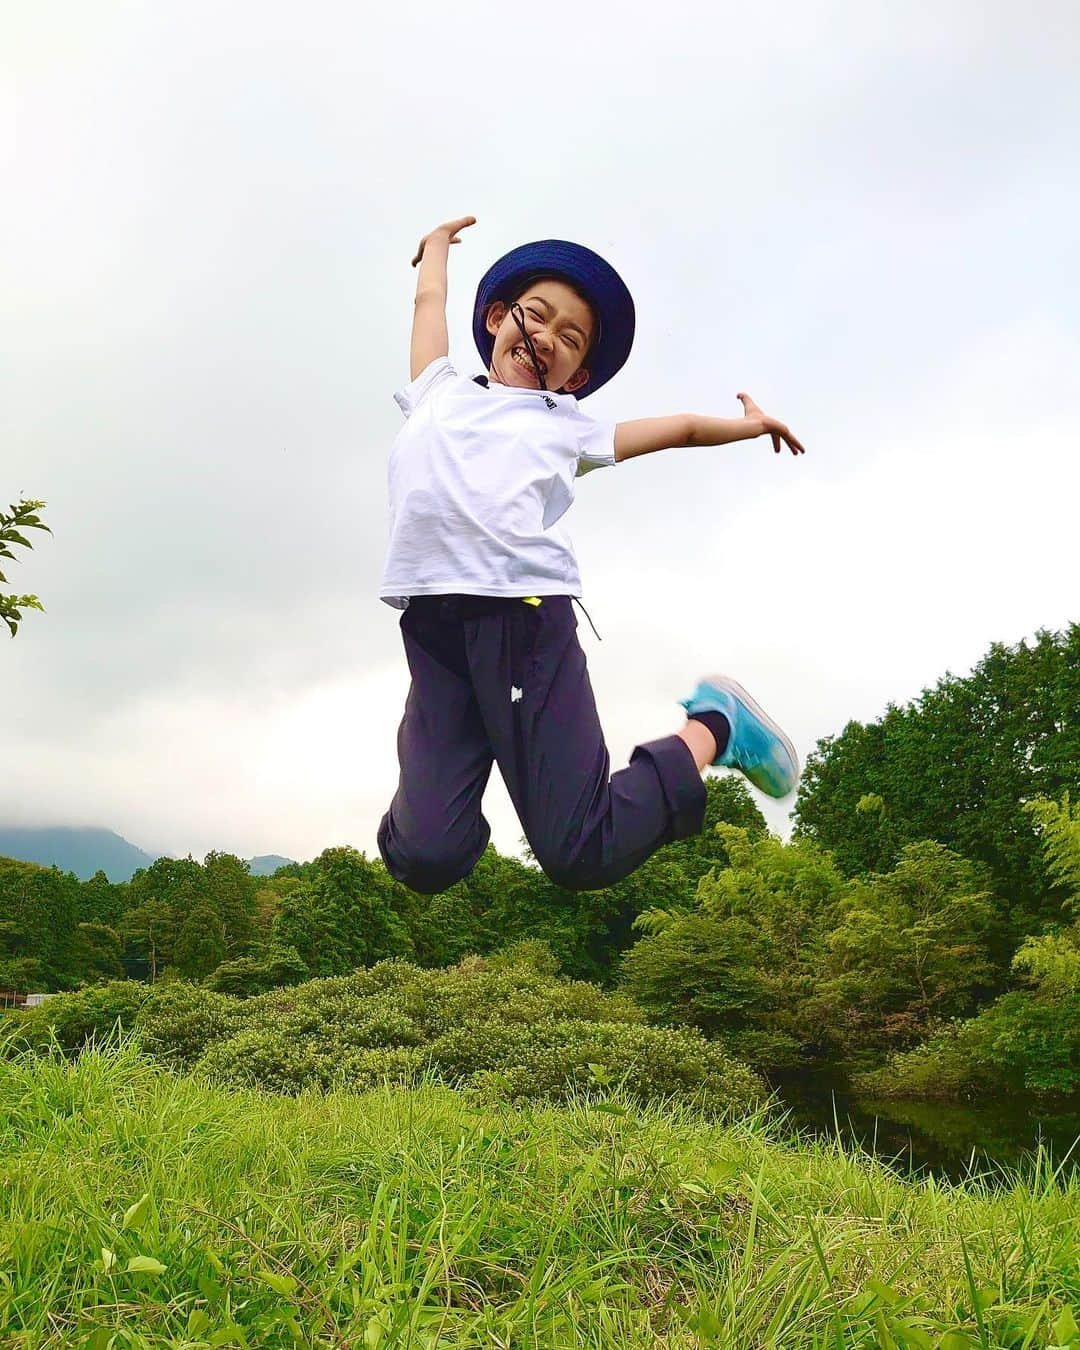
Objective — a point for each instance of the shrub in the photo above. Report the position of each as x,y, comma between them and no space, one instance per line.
510,1031
181,1020
78,1017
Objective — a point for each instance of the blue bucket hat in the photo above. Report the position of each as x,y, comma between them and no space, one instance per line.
588,273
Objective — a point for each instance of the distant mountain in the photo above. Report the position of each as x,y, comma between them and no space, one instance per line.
87,851
83,852
267,864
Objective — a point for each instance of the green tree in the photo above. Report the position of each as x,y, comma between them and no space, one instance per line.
231,892
102,901
151,929
98,952
20,516
357,894
38,913
913,946
200,943
160,899
957,765
306,922
740,959
1058,824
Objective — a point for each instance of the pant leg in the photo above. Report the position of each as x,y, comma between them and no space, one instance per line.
434,832
587,830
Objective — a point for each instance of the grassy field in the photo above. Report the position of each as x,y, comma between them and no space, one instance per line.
138,1208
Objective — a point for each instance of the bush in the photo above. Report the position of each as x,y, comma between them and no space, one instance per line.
509,1031
180,1021
75,1018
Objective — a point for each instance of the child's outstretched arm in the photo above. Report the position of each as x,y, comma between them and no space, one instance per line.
665,433
429,336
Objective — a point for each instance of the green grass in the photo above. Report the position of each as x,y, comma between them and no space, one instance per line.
421,1218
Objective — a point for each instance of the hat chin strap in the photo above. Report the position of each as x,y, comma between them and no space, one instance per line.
518,315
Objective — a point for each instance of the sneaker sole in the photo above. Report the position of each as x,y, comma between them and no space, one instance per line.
734,688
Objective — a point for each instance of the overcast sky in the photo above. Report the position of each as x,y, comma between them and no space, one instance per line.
866,214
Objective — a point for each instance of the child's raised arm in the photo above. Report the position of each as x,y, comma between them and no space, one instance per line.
429,336
666,433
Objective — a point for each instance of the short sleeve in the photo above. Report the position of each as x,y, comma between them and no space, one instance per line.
413,394
596,441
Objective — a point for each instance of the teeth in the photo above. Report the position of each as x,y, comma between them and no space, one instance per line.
522,357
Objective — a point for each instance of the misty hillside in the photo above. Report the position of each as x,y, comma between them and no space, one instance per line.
89,850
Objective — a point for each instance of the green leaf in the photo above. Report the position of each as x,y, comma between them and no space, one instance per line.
210,1290
694,1187
281,1284
956,1340
885,1339
374,1331
600,1072
230,1335
1065,1327
911,1336
610,1109
198,1321
136,1215
721,1170
145,1265
108,1259
706,1323
888,1296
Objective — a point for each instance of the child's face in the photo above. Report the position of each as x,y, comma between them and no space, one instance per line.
560,324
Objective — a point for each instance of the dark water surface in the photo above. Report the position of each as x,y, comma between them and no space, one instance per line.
950,1140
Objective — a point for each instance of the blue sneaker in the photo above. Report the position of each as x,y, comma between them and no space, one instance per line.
756,747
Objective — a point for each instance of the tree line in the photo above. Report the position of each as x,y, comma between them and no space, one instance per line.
932,872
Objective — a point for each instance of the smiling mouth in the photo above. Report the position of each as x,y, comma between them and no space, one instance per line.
521,358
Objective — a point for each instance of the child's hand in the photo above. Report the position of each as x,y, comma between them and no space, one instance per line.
776,429
450,229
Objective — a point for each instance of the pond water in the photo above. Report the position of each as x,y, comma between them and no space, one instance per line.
950,1140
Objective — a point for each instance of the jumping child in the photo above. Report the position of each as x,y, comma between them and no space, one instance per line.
479,477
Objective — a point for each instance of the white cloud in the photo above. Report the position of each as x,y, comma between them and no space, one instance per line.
861,214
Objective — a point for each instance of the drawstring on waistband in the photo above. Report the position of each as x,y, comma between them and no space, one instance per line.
586,613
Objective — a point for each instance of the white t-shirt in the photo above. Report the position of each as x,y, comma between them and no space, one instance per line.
478,478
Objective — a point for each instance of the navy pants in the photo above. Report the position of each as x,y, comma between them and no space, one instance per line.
501,680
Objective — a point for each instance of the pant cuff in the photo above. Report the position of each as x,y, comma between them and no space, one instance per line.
681,781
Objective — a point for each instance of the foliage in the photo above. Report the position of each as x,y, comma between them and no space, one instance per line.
1058,824
20,516
741,962
177,1023
39,912
1028,1040
956,765
920,934
246,976
200,943
510,1031
74,1019
343,915
98,953
783,961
